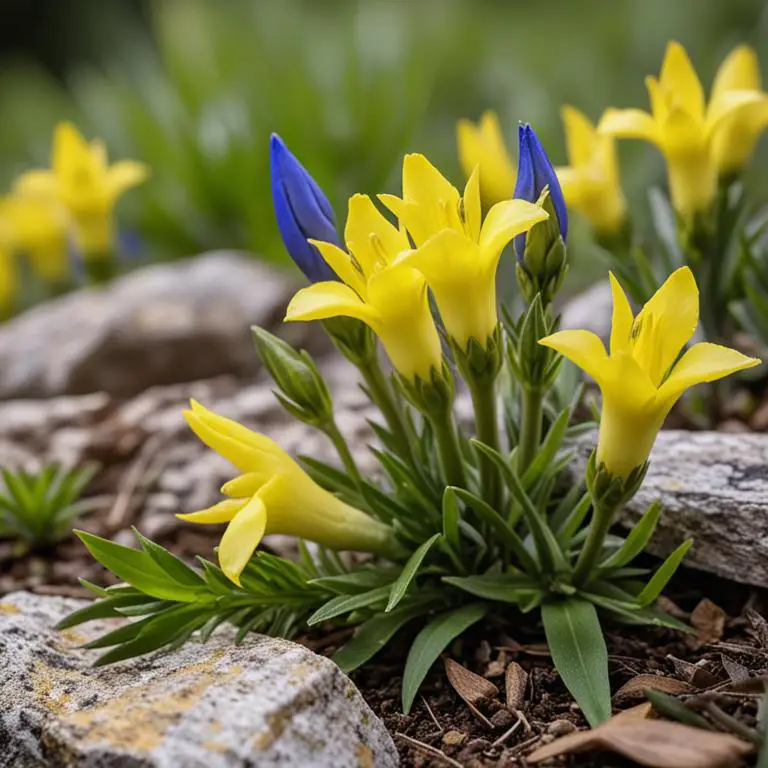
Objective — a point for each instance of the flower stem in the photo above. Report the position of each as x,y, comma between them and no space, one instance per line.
382,395
602,517
340,444
484,403
448,448
530,427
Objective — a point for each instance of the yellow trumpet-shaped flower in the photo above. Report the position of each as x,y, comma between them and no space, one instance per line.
735,138
640,380
39,228
482,145
274,495
378,288
457,250
682,127
590,183
81,180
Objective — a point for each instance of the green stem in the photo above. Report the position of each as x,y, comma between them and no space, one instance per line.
484,403
448,448
530,428
589,557
382,395
340,444
100,269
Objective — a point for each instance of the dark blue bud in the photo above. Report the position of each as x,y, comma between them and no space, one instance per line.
535,172
302,211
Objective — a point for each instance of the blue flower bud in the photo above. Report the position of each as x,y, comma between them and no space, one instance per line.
535,172
302,211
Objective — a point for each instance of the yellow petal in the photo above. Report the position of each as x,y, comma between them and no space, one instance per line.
621,324
732,104
666,323
471,205
574,185
583,348
679,77
37,184
222,512
71,151
373,240
241,538
323,300
124,175
703,362
740,71
682,134
239,454
340,262
448,257
629,124
505,221
579,136
245,485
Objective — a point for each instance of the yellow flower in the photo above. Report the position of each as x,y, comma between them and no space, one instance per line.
591,182
457,251
482,145
274,495
39,229
735,138
81,180
640,380
682,127
378,289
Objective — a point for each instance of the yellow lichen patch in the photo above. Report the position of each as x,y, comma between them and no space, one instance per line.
66,639
140,717
9,609
49,683
364,756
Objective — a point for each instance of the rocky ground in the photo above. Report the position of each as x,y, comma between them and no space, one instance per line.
103,377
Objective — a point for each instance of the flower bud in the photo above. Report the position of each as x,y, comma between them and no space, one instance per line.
302,211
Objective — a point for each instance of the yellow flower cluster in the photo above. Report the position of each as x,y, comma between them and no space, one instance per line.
442,242
73,201
701,142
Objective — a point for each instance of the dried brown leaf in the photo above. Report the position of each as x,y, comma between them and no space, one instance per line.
471,687
738,673
642,711
653,743
634,688
515,681
708,619
696,675
759,626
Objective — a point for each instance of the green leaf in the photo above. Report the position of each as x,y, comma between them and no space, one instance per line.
670,707
578,650
355,582
507,535
137,568
636,541
409,572
346,603
432,641
573,521
451,519
662,576
504,588
374,634
546,453
172,565
102,609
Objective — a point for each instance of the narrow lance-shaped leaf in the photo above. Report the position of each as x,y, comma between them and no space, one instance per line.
666,571
432,641
409,572
637,539
347,603
578,650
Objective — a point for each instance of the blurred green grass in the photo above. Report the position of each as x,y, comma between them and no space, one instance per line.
351,85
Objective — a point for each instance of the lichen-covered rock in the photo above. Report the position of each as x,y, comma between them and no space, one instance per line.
713,487
162,324
265,703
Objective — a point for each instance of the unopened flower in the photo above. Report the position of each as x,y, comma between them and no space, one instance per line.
81,180
377,288
457,250
682,127
274,495
590,182
734,139
640,380
39,228
302,210
481,145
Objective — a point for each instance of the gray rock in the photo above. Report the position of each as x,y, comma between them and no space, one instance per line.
166,323
713,488
265,703
590,310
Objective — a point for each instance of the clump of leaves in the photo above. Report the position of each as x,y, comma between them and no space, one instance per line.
39,508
